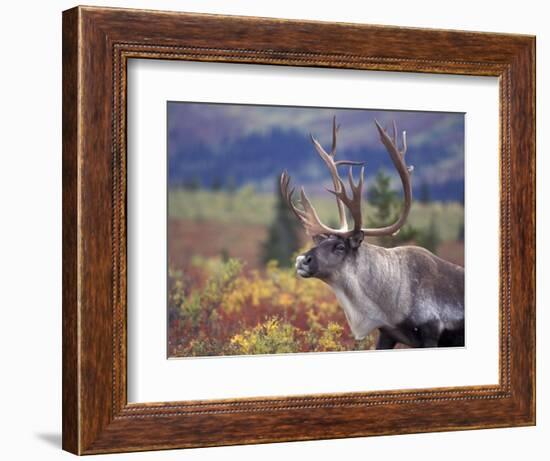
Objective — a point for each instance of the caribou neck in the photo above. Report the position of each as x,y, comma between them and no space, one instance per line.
368,289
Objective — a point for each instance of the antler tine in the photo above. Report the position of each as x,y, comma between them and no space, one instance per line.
403,150
313,225
398,159
332,167
335,129
353,203
357,196
359,187
349,162
308,216
288,194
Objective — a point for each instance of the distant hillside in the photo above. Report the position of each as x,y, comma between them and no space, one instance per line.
258,158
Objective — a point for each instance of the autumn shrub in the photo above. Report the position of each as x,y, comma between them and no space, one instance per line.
219,307
271,337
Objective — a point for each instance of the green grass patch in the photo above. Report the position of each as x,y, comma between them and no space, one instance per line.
246,206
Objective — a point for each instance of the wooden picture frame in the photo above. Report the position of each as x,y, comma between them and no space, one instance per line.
97,44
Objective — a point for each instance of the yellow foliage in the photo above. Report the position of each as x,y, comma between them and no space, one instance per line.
234,311
281,288
270,337
330,339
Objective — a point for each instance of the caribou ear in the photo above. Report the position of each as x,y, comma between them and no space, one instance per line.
356,239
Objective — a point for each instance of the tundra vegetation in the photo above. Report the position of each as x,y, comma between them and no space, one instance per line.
232,287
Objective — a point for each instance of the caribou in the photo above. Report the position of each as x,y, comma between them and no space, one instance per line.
410,295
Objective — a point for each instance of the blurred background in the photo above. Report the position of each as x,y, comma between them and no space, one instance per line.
232,241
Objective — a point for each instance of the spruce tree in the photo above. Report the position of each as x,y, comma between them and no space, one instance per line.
382,198
283,238
387,205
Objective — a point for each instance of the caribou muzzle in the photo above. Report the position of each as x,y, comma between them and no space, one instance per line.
306,265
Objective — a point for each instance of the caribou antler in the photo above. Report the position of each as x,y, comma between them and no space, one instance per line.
308,216
398,158
333,169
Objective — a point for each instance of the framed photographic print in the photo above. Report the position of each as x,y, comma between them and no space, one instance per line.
280,230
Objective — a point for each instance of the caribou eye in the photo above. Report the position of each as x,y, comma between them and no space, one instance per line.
340,247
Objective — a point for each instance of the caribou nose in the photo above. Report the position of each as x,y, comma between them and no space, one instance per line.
303,265
303,260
